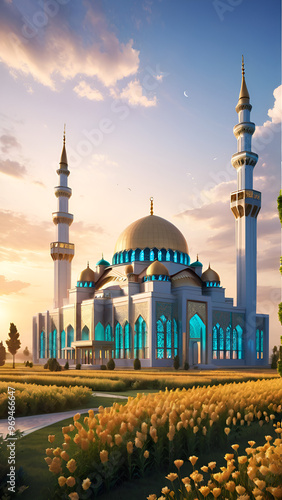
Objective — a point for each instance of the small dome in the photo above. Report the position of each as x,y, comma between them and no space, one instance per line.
157,269
197,263
210,275
103,262
87,274
129,269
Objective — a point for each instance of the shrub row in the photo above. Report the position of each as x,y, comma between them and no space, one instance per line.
31,399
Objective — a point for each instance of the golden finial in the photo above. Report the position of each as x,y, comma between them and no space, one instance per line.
102,255
197,258
88,263
243,66
64,138
152,206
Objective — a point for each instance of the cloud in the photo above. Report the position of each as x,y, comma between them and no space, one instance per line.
133,94
102,160
83,89
12,168
8,287
274,113
8,142
56,52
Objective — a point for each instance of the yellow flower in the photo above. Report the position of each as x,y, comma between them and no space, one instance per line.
104,456
212,465
205,468
49,451
165,490
251,443
235,446
204,490
243,459
264,470
118,439
172,476
228,456
86,483
70,481
65,456
230,486
152,497
227,430
129,447
62,481
216,492
51,438
193,459
268,438
260,483
74,496
71,465
240,489
178,463
48,460
197,478
186,480
146,454
76,417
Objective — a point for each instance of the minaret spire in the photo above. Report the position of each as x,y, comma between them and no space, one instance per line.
245,205
62,251
152,206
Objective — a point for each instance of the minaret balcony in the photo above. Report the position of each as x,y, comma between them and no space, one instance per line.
245,203
62,251
62,218
63,191
244,158
244,128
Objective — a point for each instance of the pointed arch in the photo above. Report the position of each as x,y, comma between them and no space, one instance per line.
63,344
99,332
127,340
42,345
85,333
140,338
108,333
118,341
70,335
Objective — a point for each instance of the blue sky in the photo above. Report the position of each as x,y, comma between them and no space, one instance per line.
128,64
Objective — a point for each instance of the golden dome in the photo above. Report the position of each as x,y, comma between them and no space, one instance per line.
87,274
151,232
129,269
157,268
210,275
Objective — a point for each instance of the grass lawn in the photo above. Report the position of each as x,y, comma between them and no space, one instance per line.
31,453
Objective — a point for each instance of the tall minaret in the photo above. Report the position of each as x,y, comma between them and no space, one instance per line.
245,205
62,251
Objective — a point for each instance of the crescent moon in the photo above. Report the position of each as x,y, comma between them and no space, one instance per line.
185,93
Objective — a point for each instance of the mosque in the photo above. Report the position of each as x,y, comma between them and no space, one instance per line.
151,303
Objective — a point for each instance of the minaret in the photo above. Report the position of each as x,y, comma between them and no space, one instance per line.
245,205
62,251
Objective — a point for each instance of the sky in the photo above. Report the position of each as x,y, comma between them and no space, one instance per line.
147,90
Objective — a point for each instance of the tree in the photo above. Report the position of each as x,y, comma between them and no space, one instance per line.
274,357
13,342
176,363
2,354
26,352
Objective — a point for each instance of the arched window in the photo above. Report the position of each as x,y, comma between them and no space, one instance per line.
126,257
70,335
54,343
140,339
108,333
121,258
240,341
127,341
168,340
99,332
160,339
228,342
175,337
215,340
63,343
133,256
50,345
141,255
137,254
42,345
198,331
118,341
147,254
85,333
175,256
152,256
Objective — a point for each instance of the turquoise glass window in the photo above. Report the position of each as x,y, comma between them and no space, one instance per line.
118,341
70,335
99,332
85,333
42,345
108,333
